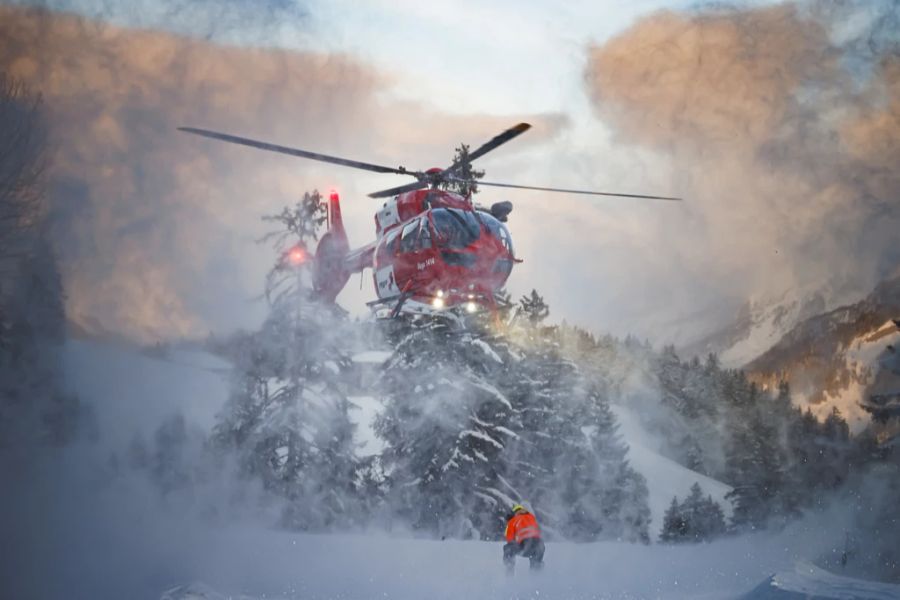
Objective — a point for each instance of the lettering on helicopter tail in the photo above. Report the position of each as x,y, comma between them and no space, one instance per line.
388,216
387,286
427,263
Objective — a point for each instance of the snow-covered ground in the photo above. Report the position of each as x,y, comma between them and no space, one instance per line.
809,581
283,565
127,542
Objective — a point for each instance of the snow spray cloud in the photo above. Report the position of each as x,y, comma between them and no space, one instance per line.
782,123
155,228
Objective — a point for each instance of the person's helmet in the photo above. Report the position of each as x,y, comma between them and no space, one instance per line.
517,507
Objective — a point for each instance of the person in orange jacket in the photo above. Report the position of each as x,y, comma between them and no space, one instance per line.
523,537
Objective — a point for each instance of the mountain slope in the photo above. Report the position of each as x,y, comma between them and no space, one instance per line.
759,324
665,477
835,359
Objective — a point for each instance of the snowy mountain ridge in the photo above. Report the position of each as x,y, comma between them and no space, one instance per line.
759,324
835,359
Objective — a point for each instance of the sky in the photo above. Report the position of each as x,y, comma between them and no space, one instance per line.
764,117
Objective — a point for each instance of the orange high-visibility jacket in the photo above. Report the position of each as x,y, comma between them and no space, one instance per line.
521,527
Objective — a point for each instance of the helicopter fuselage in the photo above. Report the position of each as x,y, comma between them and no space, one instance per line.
436,251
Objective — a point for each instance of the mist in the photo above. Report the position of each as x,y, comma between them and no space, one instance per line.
780,124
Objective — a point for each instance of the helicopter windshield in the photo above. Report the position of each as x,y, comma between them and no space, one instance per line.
455,228
498,230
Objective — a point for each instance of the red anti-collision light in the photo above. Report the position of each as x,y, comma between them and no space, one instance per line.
296,256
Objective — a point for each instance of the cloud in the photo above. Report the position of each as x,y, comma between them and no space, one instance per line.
783,139
155,227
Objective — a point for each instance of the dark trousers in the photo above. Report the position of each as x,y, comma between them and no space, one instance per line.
531,548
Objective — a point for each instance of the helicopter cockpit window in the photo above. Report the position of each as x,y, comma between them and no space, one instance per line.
424,236
455,228
408,238
498,230
392,242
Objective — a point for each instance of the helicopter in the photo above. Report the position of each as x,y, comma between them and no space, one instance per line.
435,250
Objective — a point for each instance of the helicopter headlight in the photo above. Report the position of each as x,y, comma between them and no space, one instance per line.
471,307
438,302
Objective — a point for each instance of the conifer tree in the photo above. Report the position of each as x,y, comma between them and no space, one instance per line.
674,527
533,309
696,519
445,424
287,416
466,175
756,467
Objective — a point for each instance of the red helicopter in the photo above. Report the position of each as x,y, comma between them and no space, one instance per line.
435,250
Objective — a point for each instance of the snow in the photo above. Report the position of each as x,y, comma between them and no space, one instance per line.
376,357
770,319
809,581
493,391
506,431
481,436
507,500
367,408
488,350
861,358
665,477
284,565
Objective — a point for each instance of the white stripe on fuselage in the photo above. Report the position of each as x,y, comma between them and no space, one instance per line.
389,215
387,285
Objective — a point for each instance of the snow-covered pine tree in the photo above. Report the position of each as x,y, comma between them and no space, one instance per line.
287,416
688,410
569,460
674,526
705,518
696,519
532,309
445,424
755,462
624,509
554,465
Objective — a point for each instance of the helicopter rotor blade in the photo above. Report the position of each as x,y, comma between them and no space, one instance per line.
566,191
416,185
294,151
494,142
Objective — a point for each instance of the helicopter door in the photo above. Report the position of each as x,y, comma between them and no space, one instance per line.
386,284
405,262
